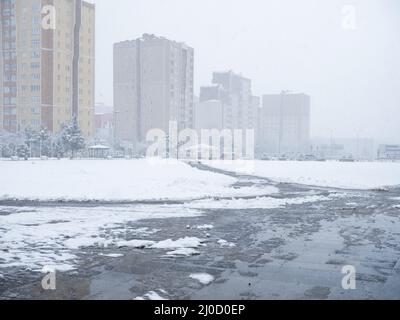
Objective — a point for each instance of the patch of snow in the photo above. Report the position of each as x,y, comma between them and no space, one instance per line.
163,291
139,244
152,295
186,252
224,243
258,203
347,175
36,237
203,278
352,204
117,180
206,227
112,255
188,242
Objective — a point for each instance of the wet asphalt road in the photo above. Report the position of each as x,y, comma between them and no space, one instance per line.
293,252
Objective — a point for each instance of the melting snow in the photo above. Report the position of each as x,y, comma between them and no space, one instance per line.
151,295
32,237
224,243
203,278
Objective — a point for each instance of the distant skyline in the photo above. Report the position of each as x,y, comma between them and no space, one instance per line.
352,76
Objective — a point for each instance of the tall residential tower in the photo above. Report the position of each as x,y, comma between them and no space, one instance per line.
47,64
153,85
284,125
240,108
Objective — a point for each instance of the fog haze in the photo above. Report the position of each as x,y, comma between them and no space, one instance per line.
352,76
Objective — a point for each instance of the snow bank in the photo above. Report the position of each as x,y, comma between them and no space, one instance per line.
347,175
114,180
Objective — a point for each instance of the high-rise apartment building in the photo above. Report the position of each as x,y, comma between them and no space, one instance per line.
47,64
153,85
284,125
240,107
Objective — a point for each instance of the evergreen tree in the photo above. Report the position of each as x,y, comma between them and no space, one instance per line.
23,151
45,142
58,148
72,139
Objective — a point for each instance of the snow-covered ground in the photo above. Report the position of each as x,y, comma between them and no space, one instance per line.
34,238
116,180
37,237
260,202
347,175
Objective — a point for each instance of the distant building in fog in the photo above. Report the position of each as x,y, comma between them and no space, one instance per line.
389,152
338,148
104,122
231,95
284,125
209,115
153,84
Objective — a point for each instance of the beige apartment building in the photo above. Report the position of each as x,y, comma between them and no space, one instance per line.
153,85
47,64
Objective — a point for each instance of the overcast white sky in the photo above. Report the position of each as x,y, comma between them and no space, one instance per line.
352,76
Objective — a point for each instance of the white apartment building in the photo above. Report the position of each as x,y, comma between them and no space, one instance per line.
239,106
209,115
284,125
153,85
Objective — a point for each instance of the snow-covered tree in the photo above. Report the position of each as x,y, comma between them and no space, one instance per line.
72,139
58,148
8,143
23,151
45,142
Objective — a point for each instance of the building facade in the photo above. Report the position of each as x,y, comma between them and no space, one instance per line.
340,148
47,64
209,115
284,125
389,152
239,106
104,123
153,85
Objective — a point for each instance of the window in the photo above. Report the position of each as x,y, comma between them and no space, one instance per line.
35,43
35,88
35,99
35,65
